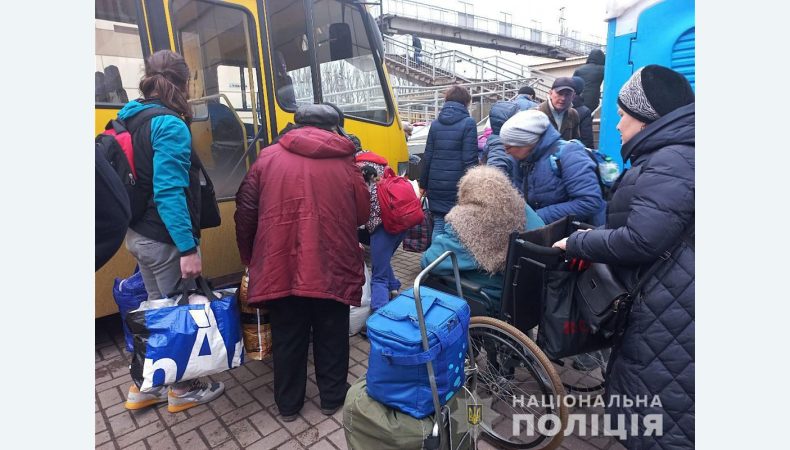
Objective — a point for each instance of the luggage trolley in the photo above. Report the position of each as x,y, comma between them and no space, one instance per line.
442,435
509,369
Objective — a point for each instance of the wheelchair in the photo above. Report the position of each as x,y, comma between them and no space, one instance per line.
508,360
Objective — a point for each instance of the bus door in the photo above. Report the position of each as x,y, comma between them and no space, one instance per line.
220,44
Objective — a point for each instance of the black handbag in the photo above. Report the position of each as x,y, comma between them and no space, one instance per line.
209,209
603,299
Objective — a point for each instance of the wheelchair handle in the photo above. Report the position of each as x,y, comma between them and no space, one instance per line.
539,249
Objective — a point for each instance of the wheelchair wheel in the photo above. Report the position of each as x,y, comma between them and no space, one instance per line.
583,373
509,366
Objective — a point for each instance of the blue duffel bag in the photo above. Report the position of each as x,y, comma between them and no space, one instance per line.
397,372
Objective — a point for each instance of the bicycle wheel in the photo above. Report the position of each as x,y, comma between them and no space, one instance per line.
583,373
511,366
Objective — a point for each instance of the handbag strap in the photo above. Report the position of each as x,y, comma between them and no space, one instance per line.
660,261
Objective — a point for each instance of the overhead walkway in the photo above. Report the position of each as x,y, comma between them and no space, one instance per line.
411,17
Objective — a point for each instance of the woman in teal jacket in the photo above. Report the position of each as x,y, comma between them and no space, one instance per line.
164,233
478,228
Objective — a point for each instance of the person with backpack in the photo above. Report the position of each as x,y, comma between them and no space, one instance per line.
560,177
164,233
297,214
651,219
384,285
450,150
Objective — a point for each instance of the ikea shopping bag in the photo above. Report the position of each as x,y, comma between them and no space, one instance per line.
183,341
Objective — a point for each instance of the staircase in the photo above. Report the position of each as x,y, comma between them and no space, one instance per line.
420,92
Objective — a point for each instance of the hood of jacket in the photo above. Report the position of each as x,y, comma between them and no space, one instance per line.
500,112
489,209
134,107
550,136
315,143
676,128
452,112
596,57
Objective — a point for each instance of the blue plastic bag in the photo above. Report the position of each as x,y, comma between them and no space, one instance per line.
185,341
128,294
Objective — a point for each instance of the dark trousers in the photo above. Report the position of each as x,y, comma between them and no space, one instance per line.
292,318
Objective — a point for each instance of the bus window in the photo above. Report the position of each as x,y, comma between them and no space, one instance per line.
293,76
349,77
119,54
217,44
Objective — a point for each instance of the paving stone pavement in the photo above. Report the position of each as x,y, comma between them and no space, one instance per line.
245,416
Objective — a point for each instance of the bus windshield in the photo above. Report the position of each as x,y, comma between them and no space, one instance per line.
348,75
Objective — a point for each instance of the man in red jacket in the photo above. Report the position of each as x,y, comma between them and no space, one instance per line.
297,214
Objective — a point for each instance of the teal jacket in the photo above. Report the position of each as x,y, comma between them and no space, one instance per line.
447,239
172,145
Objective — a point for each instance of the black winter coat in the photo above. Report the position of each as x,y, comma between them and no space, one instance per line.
652,208
585,123
592,73
450,150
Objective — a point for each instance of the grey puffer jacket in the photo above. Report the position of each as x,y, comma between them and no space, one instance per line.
652,210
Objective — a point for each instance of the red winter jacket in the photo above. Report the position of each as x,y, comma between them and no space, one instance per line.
297,213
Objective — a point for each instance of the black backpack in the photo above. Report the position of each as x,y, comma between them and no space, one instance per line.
115,143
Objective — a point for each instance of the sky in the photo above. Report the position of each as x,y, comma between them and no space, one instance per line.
585,16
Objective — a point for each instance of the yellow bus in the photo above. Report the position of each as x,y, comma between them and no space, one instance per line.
253,62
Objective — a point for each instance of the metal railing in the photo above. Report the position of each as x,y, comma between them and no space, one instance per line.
442,63
434,14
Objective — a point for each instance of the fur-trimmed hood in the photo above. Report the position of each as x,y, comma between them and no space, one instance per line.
488,210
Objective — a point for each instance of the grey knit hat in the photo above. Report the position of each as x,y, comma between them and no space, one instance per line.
654,91
524,128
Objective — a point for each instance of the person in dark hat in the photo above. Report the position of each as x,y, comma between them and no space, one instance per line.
592,74
585,114
558,107
525,98
297,214
652,213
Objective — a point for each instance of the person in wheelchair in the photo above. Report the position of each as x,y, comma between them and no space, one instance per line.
560,176
477,228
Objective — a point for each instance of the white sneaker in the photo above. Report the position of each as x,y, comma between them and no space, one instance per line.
137,400
198,393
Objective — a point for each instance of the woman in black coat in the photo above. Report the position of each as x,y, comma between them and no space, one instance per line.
651,211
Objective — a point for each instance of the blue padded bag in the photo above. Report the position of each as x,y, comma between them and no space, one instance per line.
397,371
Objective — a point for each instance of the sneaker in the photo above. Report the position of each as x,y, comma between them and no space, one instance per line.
137,400
393,293
330,411
198,393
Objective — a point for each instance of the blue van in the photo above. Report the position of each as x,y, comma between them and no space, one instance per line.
648,32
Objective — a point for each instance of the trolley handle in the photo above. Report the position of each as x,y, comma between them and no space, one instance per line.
443,434
431,266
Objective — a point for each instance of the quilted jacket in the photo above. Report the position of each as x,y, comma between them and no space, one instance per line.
652,210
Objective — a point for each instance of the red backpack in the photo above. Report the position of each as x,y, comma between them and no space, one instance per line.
400,207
